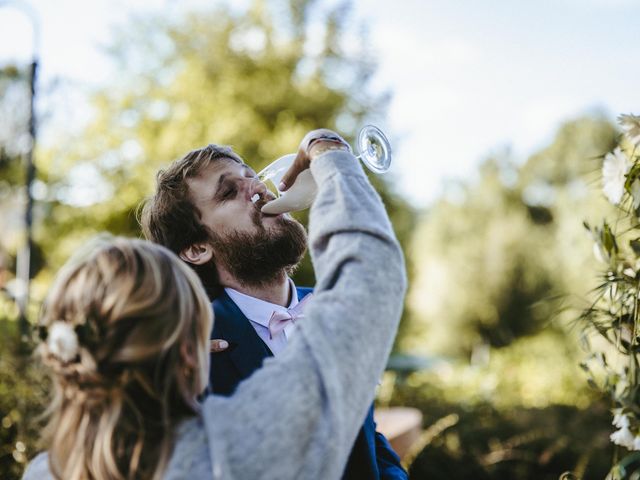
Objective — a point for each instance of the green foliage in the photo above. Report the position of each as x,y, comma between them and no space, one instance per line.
526,414
497,262
519,444
498,258
14,95
255,80
531,372
23,396
611,322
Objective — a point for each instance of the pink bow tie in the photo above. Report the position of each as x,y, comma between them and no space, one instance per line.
279,320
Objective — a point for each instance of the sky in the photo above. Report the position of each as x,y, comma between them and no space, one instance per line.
468,79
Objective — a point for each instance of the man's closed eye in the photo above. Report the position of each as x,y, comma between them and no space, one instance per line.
228,193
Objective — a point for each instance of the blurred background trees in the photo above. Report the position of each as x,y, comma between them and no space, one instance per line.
502,264
255,80
498,257
13,127
496,263
23,387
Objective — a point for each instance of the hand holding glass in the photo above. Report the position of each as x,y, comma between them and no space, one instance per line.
374,151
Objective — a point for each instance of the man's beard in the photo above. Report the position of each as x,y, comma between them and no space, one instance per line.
257,259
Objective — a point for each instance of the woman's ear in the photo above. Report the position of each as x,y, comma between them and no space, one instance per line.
197,254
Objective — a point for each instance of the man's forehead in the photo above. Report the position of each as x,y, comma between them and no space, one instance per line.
222,165
215,169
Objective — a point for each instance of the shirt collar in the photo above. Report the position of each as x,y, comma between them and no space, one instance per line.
257,310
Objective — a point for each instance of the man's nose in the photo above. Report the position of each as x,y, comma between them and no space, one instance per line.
255,186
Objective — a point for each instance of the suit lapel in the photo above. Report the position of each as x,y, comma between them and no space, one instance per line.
247,350
303,292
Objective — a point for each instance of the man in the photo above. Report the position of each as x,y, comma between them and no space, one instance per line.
203,211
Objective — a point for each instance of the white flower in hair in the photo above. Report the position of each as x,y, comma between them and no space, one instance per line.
62,341
614,170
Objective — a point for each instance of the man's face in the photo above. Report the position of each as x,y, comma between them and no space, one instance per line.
252,246
222,193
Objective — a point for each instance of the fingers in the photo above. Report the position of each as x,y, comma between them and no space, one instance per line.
304,155
218,345
300,163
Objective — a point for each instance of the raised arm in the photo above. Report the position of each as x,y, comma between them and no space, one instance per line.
297,417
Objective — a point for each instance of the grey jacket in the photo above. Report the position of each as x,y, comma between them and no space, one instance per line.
298,416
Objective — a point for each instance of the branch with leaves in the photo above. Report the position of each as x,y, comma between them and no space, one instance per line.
613,366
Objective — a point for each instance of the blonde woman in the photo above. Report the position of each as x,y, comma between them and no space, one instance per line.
126,335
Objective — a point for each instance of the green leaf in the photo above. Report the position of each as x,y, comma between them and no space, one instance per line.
632,176
609,239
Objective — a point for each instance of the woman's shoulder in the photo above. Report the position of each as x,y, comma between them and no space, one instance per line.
38,468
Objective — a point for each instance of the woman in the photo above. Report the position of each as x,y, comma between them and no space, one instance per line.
126,335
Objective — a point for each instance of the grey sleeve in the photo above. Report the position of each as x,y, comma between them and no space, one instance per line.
297,417
38,468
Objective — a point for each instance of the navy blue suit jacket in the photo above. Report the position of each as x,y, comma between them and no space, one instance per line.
371,457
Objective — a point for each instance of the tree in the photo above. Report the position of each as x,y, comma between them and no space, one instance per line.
22,386
14,91
499,259
255,80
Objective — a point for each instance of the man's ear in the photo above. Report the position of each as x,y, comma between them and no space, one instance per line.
197,254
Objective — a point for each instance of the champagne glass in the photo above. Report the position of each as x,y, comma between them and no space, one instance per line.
373,149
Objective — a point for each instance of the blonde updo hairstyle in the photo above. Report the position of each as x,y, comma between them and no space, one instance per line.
142,322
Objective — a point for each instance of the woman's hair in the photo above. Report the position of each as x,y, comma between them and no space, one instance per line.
125,332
